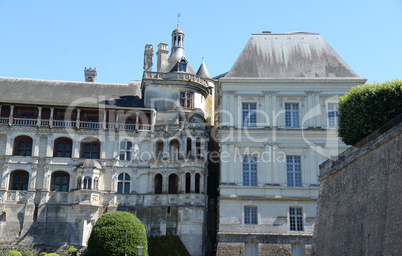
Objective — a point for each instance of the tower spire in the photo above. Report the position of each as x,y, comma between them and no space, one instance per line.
178,19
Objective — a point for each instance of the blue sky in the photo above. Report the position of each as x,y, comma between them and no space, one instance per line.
57,39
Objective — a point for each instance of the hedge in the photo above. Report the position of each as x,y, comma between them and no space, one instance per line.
72,251
108,236
42,253
28,253
168,245
365,108
13,253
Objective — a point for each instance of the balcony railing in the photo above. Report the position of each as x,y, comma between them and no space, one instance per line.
62,123
90,125
24,121
4,120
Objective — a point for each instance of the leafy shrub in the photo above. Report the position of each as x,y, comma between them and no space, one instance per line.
52,254
366,108
13,253
27,253
108,236
169,245
72,251
42,253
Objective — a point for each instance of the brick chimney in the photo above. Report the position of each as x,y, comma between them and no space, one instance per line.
90,75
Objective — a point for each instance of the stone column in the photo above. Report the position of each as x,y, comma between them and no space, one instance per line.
117,121
137,122
39,119
51,117
10,118
192,182
77,121
104,119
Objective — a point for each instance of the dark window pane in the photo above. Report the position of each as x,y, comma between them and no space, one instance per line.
87,147
64,188
25,178
122,156
17,177
121,176
120,187
24,186
94,156
128,157
57,179
16,187
60,146
87,155
56,188
129,145
59,153
68,146
67,154
28,153
29,144
94,147
127,188
21,144
20,152
127,177
65,179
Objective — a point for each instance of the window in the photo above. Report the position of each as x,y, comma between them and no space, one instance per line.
198,148
188,150
90,149
19,180
23,146
296,218
174,149
293,169
123,185
186,99
173,184
332,115
249,114
182,65
251,249
158,184
188,182
249,171
84,183
60,181
159,150
125,150
250,215
63,147
291,115
197,183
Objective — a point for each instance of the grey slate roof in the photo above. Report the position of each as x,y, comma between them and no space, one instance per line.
65,93
174,58
203,71
289,55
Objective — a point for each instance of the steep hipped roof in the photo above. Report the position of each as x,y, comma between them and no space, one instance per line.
289,55
203,71
174,59
65,93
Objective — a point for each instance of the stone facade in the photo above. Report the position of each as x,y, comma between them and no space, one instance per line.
359,204
71,151
276,125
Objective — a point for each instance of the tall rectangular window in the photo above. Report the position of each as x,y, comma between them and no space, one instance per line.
250,215
291,114
332,115
296,218
249,114
293,170
249,171
186,99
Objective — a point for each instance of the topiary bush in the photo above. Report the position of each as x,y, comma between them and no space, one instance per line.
27,253
365,108
108,236
72,251
169,245
13,253
52,254
42,253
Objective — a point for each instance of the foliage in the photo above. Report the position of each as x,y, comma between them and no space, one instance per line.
28,253
168,245
13,253
366,108
72,251
108,236
42,253
52,254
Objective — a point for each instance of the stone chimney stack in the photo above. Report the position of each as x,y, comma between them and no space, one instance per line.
90,74
162,55
148,57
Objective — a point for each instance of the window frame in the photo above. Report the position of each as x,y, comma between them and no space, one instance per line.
293,171
124,180
332,114
24,139
296,219
251,215
127,152
91,151
56,148
158,184
61,183
173,189
292,116
250,170
249,114
21,181
187,99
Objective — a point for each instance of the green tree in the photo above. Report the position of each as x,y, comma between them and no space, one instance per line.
366,108
108,236
13,253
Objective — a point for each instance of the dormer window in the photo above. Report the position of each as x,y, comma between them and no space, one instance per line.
182,65
186,99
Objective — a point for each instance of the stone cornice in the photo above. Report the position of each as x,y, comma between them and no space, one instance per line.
293,80
251,198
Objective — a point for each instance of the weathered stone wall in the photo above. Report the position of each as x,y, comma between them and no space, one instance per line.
359,206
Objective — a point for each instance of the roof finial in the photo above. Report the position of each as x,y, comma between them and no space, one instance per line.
178,18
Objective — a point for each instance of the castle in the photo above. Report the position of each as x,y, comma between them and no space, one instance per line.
71,151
